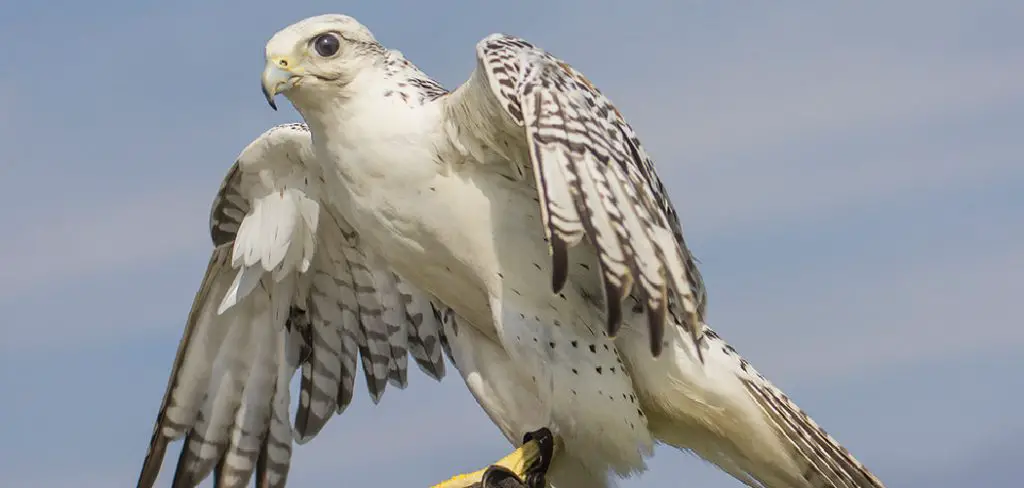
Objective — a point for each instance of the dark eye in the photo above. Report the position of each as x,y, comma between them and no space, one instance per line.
326,45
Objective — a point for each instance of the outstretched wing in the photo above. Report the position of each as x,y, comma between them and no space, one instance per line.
287,287
593,177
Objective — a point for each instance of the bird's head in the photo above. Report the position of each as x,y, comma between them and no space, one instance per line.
315,55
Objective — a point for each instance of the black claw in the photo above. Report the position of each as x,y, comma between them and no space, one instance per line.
535,475
535,480
499,477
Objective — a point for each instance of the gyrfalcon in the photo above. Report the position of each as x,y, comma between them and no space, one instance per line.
516,225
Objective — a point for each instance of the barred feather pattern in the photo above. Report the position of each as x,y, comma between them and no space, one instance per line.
595,181
425,331
372,336
825,462
287,287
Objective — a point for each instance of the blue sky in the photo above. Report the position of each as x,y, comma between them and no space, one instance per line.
851,177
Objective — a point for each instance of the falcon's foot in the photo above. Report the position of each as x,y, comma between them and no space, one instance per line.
526,467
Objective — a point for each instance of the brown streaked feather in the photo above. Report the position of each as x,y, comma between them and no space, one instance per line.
827,464
158,442
594,180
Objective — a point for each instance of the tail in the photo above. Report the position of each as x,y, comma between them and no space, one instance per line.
726,412
825,463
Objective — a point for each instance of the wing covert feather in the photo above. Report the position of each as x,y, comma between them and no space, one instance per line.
287,287
593,177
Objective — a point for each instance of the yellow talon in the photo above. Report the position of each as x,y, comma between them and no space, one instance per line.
462,480
518,462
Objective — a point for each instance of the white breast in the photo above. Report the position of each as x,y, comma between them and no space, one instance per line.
429,221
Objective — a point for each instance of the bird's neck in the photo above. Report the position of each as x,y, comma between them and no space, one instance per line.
377,135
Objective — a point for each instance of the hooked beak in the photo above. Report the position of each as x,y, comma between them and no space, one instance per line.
277,78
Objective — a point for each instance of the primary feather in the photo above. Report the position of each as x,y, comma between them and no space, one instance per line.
285,289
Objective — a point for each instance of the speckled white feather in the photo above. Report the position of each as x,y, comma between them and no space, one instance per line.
285,292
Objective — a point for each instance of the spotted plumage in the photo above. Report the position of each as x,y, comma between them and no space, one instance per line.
581,143
514,225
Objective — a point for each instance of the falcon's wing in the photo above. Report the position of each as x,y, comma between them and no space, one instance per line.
593,178
287,286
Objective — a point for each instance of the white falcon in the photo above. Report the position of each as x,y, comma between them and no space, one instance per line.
403,219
